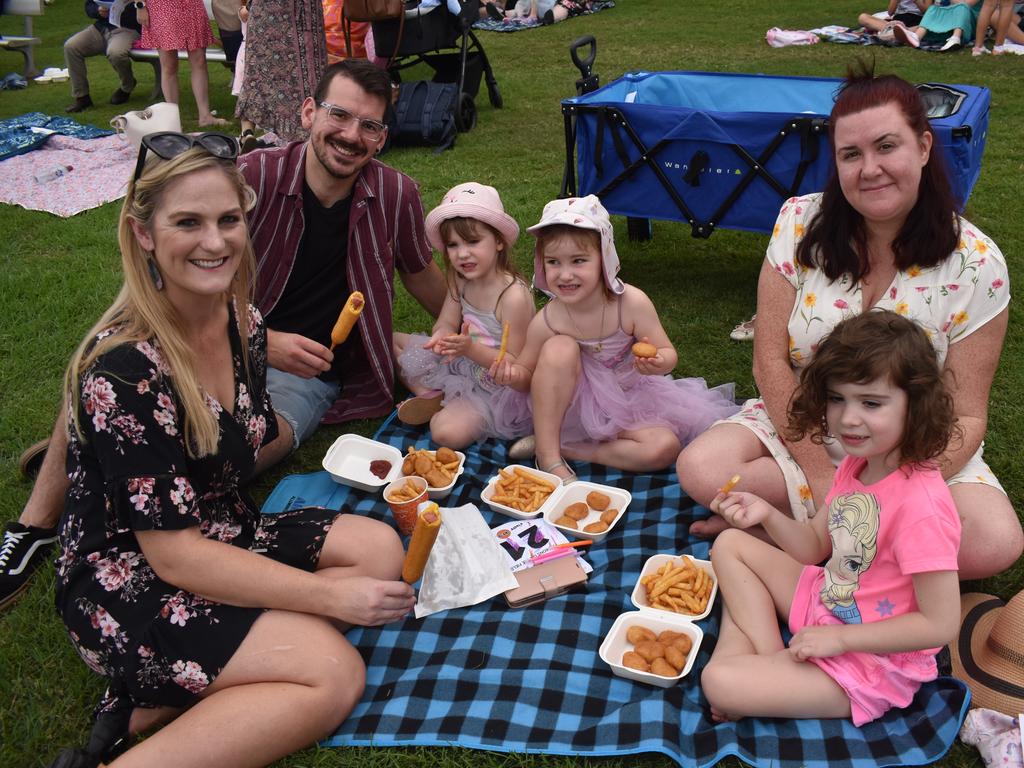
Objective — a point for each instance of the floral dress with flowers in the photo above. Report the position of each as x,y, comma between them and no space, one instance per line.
950,301
130,471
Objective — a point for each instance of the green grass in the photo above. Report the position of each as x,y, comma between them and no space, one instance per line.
57,275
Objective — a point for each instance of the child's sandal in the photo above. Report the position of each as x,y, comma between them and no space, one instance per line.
561,463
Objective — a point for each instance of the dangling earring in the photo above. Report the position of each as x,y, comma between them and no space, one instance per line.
154,273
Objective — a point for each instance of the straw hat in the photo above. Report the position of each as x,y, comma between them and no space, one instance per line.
471,201
988,654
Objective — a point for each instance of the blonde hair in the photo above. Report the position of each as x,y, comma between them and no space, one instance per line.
141,312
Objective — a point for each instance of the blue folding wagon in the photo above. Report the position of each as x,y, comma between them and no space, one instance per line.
725,150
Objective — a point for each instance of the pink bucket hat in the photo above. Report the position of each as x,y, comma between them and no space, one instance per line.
471,201
584,213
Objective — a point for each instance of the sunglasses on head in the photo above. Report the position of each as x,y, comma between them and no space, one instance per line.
169,144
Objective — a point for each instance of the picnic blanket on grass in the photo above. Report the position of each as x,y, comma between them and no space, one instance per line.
515,25
530,679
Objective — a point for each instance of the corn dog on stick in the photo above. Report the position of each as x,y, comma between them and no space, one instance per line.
349,314
504,343
730,484
428,524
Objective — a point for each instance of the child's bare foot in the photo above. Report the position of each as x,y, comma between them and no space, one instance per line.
708,529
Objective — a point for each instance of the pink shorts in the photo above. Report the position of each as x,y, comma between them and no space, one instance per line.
875,682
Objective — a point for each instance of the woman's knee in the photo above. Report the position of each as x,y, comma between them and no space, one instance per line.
991,539
370,545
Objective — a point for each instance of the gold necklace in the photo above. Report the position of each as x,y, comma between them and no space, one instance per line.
579,334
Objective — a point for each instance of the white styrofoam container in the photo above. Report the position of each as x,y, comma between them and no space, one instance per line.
577,492
348,462
655,562
488,492
615,644
441,492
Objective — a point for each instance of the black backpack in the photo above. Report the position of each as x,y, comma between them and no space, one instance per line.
425,115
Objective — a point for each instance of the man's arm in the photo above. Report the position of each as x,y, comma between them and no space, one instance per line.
426,286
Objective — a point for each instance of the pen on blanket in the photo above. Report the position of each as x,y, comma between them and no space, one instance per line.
553,555
582,543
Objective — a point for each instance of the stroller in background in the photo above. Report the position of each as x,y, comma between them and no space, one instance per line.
445,42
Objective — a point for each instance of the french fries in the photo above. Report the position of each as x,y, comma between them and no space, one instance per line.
504,343
438,467
730,484
679,586
406,492
521,490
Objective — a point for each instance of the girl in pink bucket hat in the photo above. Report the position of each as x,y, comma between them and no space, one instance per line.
598,395
486,313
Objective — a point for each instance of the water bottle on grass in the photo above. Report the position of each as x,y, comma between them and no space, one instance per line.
53,173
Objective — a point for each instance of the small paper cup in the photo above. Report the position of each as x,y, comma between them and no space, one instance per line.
405,511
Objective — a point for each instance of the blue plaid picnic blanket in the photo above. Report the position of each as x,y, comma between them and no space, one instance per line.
530,679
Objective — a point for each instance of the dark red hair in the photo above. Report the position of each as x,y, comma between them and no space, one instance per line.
836,240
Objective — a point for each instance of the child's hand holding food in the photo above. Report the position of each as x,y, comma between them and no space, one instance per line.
741,509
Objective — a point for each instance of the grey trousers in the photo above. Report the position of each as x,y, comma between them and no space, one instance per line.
115,43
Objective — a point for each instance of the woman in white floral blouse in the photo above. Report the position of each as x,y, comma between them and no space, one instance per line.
197,609
884,234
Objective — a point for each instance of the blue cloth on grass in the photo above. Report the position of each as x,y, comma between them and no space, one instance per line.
17,136
530,679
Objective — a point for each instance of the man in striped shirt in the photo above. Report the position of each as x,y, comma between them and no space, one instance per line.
331,219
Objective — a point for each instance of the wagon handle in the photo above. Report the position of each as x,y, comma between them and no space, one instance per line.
588,81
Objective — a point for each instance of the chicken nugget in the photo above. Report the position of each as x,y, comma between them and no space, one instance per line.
597,500
597,527
634,660
637,634
650,650
567,522
662,668
446,455
423,464
409,465
576,511
683,643
609,515
675,657
436,478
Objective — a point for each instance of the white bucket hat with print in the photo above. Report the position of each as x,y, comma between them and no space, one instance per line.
584,213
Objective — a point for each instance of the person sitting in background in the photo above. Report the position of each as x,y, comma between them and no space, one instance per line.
906,12
104,37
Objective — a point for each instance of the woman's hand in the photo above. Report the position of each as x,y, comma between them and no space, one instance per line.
741,509
243,14
368,602
817,642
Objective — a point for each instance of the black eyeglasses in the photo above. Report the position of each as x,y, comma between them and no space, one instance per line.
371,129
169,144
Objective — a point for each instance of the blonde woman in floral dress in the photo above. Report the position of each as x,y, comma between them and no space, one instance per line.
871,241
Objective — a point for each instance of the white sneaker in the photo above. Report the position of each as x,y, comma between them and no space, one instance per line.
906,36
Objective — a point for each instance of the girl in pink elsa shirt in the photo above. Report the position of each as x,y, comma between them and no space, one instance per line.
867,625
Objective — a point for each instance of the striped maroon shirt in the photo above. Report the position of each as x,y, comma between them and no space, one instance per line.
385,231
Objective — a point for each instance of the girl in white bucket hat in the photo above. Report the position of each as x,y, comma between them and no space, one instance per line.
597,361
486,313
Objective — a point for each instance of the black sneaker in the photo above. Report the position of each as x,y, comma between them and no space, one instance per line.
22,550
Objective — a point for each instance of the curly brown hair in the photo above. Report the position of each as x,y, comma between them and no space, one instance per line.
879,344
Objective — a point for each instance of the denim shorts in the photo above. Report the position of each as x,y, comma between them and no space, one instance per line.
301,402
